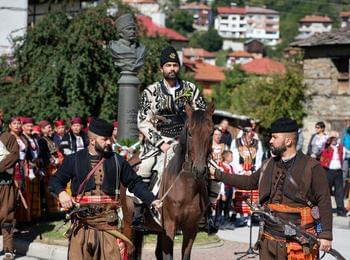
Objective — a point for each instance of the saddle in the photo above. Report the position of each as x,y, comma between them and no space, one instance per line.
134,162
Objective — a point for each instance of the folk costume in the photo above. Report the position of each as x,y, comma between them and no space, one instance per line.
9,156
295,190
32,176
95,232
51,161
332,159
58,138
72,143
246,159
161,119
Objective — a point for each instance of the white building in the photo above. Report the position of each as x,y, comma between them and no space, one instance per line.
231,22
238,57
263,24
345,19
234,23
149,8
14,15
145,7
194,54
312,24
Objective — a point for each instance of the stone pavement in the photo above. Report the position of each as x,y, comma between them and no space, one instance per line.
223,251
232,241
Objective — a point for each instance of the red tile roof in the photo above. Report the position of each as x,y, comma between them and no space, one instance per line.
152,30
240,54
345,14
195,5
264,66
315,19
8,79
139,1
260,10
197,52
231,10
204,71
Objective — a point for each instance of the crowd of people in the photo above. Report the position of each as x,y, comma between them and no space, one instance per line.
244,154
32,154
42,148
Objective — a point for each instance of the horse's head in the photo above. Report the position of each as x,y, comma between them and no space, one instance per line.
199,129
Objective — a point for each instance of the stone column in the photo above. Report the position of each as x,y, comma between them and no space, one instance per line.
128,56
128,105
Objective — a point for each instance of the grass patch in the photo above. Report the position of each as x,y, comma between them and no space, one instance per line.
43,231
53,233
202,238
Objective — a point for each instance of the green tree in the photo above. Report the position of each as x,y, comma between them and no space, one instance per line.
209,40
181,21
63,68
263,98
223,94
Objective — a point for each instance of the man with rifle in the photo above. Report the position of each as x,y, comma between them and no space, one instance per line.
293,187
290,229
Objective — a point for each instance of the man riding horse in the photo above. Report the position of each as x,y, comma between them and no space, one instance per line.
161,120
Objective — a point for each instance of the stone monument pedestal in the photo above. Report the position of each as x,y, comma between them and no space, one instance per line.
128,105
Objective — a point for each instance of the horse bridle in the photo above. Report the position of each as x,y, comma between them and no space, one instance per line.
187,161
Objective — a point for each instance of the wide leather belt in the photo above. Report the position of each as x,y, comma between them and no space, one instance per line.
172,126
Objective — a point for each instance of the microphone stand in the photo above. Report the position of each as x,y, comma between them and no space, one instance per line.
250,251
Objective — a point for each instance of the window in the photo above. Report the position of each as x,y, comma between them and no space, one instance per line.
342,65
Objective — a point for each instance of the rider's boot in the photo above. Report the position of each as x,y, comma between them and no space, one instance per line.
138,219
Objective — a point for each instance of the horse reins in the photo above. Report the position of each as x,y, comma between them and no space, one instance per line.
177,177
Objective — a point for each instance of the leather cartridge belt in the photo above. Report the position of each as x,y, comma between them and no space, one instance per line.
276,231
279,231
172,126
5,178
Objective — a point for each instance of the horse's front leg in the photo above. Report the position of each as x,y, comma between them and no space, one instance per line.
189,235
167,240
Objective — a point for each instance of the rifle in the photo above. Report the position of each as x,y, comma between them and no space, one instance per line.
23,200
290,229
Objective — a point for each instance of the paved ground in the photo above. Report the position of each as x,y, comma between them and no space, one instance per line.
232,241
222,252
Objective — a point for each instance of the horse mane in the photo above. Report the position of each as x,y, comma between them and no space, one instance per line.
175,164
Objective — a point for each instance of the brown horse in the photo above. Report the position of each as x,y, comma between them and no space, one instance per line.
184,187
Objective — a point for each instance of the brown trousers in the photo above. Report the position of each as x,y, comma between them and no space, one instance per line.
277,250
7,215
88,241
272,250
91,244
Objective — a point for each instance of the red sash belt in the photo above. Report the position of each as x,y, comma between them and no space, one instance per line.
96,199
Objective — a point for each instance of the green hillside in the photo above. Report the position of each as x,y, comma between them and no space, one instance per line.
291,11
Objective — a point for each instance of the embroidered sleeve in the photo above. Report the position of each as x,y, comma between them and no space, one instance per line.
147,110
198,101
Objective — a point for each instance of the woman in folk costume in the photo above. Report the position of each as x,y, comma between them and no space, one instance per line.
247,158
50,158
9,156
21,167
218,149
32,174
